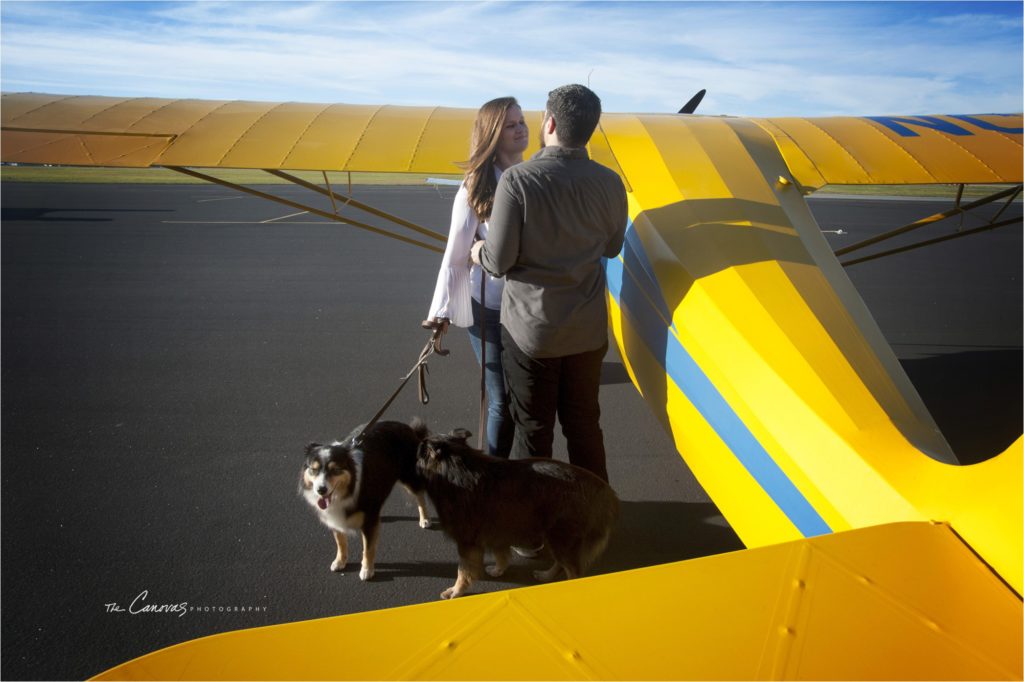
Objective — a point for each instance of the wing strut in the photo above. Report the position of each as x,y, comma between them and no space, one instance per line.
326,214
994,223
349,201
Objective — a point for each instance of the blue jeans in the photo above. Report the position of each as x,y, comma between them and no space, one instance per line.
499,421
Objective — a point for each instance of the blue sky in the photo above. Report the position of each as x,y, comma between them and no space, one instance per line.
756,59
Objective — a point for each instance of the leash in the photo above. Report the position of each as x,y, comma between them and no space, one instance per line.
481,433
433,346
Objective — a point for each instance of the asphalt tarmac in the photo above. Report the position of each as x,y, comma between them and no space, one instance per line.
168,351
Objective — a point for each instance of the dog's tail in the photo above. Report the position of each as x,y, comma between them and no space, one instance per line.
419,427
408,474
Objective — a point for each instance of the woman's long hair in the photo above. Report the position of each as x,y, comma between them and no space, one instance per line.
483,146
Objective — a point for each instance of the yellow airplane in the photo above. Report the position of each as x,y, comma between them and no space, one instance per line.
870,553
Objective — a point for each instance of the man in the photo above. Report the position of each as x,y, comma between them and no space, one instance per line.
554,218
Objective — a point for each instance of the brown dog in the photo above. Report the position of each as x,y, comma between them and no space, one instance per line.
490,503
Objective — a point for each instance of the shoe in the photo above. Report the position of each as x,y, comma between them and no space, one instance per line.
527,552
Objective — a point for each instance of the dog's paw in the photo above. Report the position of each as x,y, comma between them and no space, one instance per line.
424,523
495,571
449,593
338,566
365,573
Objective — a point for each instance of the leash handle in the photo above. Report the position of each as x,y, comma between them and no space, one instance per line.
424,395
439,327
433,346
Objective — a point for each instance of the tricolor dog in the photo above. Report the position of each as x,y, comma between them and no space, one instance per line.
347,482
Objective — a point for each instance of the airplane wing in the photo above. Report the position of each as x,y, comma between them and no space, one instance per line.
111,131
743,334
855,606
897,150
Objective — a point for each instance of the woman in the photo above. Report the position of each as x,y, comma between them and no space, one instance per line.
500,137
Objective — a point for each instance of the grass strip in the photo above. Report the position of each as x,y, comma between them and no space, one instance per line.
341,179
164,176
937,191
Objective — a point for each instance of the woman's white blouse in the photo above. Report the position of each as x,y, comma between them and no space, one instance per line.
458,281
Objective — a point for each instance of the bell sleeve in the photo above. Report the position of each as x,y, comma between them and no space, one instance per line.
452,292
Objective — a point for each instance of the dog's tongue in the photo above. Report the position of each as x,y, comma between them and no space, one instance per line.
322,503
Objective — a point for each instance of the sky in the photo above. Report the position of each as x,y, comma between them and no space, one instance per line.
754,59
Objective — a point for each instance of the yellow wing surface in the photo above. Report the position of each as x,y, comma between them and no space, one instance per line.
896,150
743,334
854,605
140,132
107,131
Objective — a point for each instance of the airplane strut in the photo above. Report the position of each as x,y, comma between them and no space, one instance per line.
1010,194
325,214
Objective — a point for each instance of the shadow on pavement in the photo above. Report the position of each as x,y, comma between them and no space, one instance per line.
651,533
975,398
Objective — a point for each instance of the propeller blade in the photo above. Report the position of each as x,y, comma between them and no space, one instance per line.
694,102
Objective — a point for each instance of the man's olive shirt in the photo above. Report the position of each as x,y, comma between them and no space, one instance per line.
554,218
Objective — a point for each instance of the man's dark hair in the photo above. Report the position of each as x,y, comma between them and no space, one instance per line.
576,110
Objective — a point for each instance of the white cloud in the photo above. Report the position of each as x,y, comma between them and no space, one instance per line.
979,21
755,59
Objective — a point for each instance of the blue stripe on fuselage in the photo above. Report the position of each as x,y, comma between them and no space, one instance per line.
634,299
633,252
898,124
